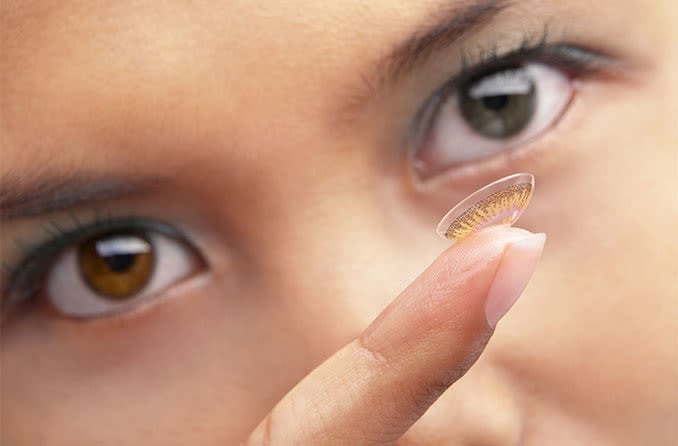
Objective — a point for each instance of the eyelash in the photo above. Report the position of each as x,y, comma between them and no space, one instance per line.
579,60
23,280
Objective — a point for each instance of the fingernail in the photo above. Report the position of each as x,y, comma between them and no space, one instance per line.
517,264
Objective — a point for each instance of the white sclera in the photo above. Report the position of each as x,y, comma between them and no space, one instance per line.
510,215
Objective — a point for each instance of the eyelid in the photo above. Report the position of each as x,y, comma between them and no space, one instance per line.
25,279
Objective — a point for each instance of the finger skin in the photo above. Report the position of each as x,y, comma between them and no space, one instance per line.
373,389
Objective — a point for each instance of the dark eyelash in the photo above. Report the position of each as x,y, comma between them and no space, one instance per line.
24,280
574,60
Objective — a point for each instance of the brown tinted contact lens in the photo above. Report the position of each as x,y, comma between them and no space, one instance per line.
498,203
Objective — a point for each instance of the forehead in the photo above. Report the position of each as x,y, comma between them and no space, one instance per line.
180,35
65,63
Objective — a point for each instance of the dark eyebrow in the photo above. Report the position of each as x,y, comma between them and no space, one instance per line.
449,24
21,198
455,22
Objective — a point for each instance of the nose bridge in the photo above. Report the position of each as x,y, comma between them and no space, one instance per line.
328,254
481,409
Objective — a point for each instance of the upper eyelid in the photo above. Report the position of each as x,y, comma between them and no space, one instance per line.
578,60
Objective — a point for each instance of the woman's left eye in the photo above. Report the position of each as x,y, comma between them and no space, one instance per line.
116,272
496,111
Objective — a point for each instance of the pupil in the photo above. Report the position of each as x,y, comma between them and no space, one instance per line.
495,103
120,262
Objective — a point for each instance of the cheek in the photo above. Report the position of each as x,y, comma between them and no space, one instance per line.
185,368
602,297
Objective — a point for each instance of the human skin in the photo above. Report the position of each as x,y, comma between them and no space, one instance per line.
297,190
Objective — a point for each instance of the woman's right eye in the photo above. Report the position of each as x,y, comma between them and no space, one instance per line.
117,272
494,112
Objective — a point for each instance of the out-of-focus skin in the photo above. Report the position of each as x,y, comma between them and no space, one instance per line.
297,190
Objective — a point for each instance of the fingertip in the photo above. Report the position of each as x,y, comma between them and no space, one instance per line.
448,296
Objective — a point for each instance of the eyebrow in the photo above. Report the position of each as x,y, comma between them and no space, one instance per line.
454,22
22,198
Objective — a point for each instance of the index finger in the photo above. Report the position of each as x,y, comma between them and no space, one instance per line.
372,390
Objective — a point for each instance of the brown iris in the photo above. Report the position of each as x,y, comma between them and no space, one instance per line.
116,266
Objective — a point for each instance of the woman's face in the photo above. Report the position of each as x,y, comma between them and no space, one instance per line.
305,152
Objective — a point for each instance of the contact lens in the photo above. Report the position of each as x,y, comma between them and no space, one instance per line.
499,203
